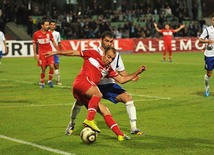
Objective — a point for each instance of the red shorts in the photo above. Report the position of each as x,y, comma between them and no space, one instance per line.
80,86
45,61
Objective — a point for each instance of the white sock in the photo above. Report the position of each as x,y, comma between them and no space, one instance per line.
206,80
131,110
57,74
74,111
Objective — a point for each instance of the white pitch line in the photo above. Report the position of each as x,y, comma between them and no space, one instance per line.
153,97
34,105
36,145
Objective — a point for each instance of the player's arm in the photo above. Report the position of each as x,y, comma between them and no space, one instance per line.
129,77
125,73
178,29
156,27
65,53
34,51
205,41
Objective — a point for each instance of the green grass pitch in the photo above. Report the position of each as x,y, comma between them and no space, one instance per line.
171,109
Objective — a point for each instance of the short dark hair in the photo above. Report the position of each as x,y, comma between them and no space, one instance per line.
110,48
107,34
43,21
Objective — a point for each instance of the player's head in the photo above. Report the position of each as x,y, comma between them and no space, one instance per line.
107,39
109,56
45,25
52,25
167,26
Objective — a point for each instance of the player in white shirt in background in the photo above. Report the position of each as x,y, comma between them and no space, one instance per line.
207,37
110,89
2,45
57,39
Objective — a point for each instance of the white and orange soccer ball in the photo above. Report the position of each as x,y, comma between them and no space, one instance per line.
88,135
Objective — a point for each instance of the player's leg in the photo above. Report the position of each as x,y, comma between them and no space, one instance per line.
50,62
115,94
104,111
95,96
74,112
131,111
0,56
209,65
170,52
57,72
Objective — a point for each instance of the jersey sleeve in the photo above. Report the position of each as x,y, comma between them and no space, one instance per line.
120,65
112,73
203,34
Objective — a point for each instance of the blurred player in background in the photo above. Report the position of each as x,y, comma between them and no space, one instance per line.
110,89
85,90
167,39
57,39
207,37
43,39
3,46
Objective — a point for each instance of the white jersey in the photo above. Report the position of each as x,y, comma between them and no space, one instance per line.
117,65
57,39
208,33
2,39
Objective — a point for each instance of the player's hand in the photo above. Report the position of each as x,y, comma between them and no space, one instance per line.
142,69
36,57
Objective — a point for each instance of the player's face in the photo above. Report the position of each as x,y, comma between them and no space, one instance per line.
167,26
109,57
52,26
45,26
107,42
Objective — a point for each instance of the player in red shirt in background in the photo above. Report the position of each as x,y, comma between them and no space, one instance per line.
167,39
43,38
85,88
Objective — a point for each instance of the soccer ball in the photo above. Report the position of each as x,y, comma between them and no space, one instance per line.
88,135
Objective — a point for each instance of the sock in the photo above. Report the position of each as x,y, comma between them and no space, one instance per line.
42,78
206,80
57,74
92,107
113,125
74,111
131,110
51,72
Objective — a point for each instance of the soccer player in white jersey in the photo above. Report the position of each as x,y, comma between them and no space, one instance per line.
110,90
57,39
2,44
207,37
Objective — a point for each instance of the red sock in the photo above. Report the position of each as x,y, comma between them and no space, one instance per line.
51,72
92,107
42,78
113,125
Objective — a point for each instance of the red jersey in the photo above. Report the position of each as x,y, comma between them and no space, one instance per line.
167,34
93,70
43,39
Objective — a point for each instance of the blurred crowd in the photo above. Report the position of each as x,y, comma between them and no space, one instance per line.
136,22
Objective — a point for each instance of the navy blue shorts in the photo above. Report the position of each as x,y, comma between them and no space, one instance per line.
209,63
56,59
0,54
111,91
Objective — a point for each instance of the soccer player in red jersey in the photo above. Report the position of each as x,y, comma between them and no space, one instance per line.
167,39
85,88
43,38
